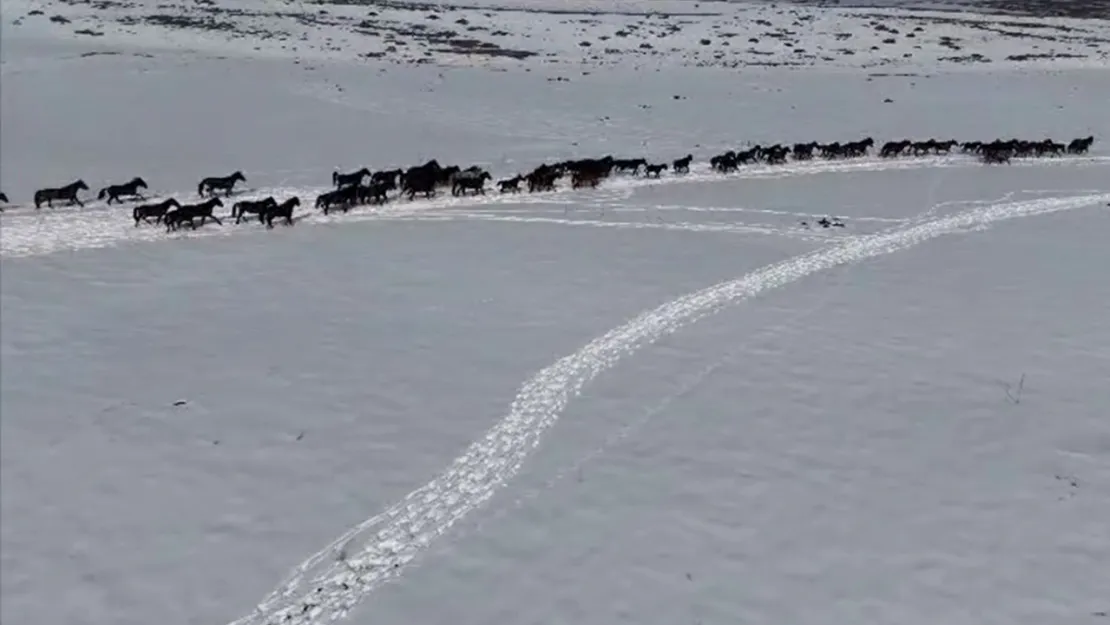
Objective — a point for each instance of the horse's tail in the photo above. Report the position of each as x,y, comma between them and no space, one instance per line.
235,208
200,189
102,194
335,178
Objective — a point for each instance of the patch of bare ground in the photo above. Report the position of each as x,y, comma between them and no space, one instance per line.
1074,9
462,6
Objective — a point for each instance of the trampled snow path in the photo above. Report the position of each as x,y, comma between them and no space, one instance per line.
332,582
28,232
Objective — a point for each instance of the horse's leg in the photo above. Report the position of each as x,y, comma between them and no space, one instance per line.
216,219
78,201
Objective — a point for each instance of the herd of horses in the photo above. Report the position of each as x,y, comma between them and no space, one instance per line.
374,187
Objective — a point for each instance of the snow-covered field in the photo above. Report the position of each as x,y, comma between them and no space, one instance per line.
657,402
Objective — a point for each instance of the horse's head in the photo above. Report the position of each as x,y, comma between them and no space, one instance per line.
485,176
173,202
238,175
215,202
294,201
80,184
139,182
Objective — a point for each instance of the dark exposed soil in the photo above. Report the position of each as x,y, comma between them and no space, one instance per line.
1079,9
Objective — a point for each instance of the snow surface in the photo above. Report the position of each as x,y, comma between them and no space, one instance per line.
657,402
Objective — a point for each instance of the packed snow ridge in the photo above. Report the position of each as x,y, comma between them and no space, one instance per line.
34,235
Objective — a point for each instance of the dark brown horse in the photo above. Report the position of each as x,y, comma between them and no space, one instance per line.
129,189
258,207
67,193
217,183
283,210
189,212
157,211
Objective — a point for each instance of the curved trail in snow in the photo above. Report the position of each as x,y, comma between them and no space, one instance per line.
332,582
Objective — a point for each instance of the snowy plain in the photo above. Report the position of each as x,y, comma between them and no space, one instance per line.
699,410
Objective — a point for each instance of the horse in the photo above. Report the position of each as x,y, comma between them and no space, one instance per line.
1080,146
189,212
470,179
892,149
157,211
653,171
68,192
996,155
725,163
4,199
376,193
804,151
585,178
510,185
214,183
543,178
344,180
682,165
114,191
776,154
344,197
258,207
390,176
629,165
283,210
420,180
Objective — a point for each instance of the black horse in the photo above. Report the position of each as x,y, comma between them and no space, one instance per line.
585,178
216,183
340,198
376,193
4,199
157,211
115,191
188,213
258,207
345,180
1080,146
283,210
682,165
390,176
471,179
67,193
510,185
420,180
653,171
